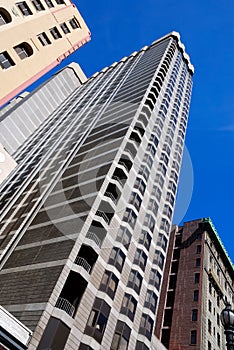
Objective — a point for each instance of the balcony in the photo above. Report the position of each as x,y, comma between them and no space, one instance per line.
111,196
120,176
135,136
126,163
83,263
65,305
94,238
103,215
70,295
131,149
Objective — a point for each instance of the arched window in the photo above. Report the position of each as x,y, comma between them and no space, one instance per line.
23,50
5,17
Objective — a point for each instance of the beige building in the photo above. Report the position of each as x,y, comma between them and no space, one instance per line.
47,32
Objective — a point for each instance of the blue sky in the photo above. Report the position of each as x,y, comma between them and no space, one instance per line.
120,27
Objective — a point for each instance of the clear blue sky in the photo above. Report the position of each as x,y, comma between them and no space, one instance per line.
206,26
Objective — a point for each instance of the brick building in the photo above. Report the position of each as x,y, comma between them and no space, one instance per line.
198,281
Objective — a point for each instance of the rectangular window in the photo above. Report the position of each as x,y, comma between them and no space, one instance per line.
109,283
194,314
6,60
209,326
193,338
140,259
196,277
60,2
135,281
195,295
23,7
55,33
128,307
198,262
121,336
44,40
38,5
117,258
74,23
49,3
198,248
146,326
65,28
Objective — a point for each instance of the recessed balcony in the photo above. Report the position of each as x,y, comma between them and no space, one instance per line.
65,305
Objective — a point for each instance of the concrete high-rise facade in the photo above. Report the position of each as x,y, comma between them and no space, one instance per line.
86,214
198,282
36,35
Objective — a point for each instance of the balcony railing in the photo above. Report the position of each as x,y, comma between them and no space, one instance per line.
111,196
82,262
65,305
103,215
123,164
118,179
93,237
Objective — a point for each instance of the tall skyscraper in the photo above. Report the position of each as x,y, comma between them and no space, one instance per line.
36,35
198,282
86,214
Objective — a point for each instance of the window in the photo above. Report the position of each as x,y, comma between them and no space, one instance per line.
198,262
194,314
198,248
209,305
5,60
65,28
140,259
60,2
146,326
153,206
140,185
121,336
159,259
23,7
128,307
209,345
109,283
141,346
195,295
162,241
38,5
117,258
74,23
98,319
49,3
55,33
44,40
130,217
155,278
135,281
196,277
210,288
5,17
149,222
218,320
209,326
145,239
165,225
23,50
151,300
218,339
193,337
124,236
135,200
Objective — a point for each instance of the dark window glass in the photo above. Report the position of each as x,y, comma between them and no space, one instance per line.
198,248
140,259
196,277
121,336
23,7
155,278
124,236
151,300
130,217
60,2
146,326
38,5
23,50
128,307
195,295
5,17
44,40
55,33
193,339
98,319
198,262
141,346
5,60
65,28
117,258
74,23
109,283
49,3
194,314
135,281
145,239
